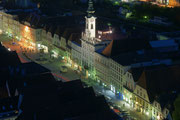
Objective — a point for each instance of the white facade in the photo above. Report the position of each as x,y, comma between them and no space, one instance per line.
90,30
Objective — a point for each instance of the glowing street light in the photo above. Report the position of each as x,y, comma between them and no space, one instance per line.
110,31
9,49
158,117
145,17
147,113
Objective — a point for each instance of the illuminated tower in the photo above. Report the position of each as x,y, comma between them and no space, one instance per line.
90,30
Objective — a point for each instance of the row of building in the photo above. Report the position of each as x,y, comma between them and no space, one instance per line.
131,65
29,91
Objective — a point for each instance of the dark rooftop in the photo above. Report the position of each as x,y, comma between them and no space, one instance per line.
62,101
158,80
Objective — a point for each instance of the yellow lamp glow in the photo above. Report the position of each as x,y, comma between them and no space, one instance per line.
27,29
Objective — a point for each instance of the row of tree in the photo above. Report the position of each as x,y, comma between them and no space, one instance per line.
147,9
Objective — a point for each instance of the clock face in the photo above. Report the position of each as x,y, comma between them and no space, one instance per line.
92,20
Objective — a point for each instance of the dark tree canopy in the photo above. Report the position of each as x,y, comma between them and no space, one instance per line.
176,112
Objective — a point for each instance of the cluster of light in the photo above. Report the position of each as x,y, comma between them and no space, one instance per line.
9,49
89,74
158,117
107,32
145,17
75,65
124,97
27,29
62,57
147,113
136,102
0,31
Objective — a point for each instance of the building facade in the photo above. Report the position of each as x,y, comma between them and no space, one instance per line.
86,57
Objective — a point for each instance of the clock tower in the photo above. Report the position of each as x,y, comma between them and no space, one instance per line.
90,29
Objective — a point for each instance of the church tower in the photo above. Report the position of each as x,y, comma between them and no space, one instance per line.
90,29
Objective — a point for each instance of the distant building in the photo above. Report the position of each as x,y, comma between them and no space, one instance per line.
156,86
174,3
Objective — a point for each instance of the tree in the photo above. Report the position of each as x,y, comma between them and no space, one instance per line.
176,112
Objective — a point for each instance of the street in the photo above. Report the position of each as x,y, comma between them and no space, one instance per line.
28,55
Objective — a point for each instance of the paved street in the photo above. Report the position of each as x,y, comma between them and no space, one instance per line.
27,55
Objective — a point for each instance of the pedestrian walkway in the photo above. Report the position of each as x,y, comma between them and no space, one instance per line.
116,99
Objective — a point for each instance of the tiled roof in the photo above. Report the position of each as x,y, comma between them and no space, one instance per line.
62,101
59,31
75,37
68,31
125,45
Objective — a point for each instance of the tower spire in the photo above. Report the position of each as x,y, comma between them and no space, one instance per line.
90,9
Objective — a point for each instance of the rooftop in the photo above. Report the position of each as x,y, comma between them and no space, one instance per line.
158,81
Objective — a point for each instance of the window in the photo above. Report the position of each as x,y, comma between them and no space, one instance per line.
86,26
144,96
91,26
137,91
